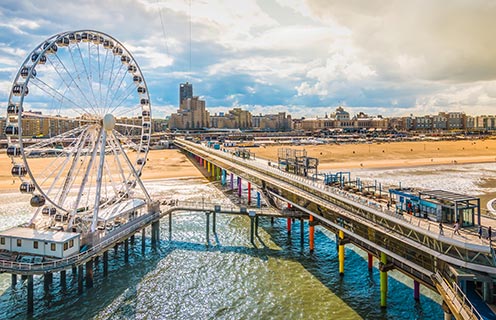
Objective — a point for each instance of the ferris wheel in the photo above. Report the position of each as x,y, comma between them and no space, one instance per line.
78,127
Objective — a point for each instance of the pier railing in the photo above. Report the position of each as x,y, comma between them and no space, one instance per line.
59,264
457,298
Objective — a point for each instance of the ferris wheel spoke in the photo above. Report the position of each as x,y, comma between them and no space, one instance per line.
55,94
87,74
87,172
73,80
116,90
99,180
55,139
111,79
134,172
116,152
75,166
130,90
79,83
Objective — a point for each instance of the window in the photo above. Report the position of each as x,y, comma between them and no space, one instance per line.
2,241
19,242
71,243
35,244
66,246
52,246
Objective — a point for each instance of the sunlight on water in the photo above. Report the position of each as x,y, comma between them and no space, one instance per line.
230,279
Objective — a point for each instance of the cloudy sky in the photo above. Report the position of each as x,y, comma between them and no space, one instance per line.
389,57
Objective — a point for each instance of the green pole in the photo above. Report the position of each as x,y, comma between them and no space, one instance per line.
384,284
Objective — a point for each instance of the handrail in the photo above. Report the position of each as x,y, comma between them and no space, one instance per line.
334,195
455,293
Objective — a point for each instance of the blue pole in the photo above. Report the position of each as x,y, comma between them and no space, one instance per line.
223,177
259,201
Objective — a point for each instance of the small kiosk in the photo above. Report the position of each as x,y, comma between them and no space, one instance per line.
438,205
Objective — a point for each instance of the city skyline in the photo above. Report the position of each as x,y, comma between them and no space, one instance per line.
302,57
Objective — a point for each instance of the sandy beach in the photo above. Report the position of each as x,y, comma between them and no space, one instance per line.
393,154
171,163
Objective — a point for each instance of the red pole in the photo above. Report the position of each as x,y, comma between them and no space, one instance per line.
371,259
249,193
311,230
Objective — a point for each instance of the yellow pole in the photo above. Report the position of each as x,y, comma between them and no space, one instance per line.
384,284
208,166
341,253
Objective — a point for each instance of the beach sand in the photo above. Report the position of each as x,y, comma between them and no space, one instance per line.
393,154
171,163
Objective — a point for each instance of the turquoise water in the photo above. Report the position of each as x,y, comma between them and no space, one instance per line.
230,279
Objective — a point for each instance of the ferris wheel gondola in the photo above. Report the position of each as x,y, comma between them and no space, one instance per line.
85,95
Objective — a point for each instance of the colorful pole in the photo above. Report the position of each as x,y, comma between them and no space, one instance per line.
341,253
289,220
232,181
249,193
259,200
416,290
311,231
384,284
224,177
371,260
240,186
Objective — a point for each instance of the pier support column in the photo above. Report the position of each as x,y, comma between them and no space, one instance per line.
224,177
289,221
132,239
370,261
89,274
74,271
155,233
47,280
416,290
249,193
240,186
251,214
384,282
105,263
256,225
14,280
214,222
259,200
170,226
116,246
143,239
447,312
63,278
207,228
126,250
205,163
80,279
24,277
213,169
30,294
232,181
302,233
341,253
311,233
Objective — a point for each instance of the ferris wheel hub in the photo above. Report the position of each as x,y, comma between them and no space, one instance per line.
108,122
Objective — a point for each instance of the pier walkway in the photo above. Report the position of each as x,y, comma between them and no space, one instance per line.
412,245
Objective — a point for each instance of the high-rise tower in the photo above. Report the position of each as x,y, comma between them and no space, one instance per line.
185,92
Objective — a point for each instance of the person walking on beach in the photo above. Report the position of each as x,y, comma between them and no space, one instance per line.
457,228
441,231
479,231
388,205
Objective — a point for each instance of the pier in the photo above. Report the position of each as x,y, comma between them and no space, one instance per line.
411,245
